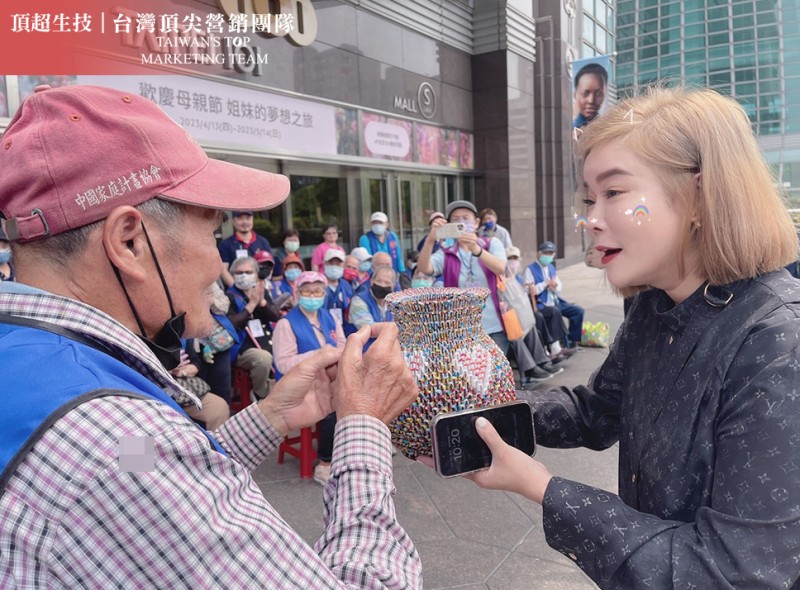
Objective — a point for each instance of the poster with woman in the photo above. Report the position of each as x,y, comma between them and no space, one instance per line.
589,89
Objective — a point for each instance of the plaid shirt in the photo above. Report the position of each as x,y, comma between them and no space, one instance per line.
69,518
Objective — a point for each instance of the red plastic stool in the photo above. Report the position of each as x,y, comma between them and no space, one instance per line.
302,448
240,392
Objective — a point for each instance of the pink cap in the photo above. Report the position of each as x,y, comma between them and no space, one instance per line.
72,154
310,276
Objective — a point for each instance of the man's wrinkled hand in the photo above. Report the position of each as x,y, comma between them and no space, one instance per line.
303,396
378,383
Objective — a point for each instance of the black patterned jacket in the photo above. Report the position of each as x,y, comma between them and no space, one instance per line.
704,399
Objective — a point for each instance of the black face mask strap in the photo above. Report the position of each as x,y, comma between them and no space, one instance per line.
128,297
160,274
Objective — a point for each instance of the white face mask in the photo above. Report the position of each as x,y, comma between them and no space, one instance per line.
379,229
513,266
244,282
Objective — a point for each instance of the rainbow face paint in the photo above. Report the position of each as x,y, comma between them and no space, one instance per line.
639,213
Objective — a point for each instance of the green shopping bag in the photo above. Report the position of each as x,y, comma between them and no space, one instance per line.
595,334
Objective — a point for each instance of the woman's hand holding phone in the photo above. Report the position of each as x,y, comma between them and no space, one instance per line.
511,469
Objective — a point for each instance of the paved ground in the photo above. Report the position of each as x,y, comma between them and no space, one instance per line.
467,537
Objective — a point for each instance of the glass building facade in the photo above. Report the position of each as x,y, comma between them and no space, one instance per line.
597,27
746,49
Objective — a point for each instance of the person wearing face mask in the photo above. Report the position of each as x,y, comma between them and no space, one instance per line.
469,262
532,360
330,234
420,280
251,311
6,269
368,305
114,255
291,245
491,229
350,272
542,281
307,328
339,292
364,266
380,239
292,268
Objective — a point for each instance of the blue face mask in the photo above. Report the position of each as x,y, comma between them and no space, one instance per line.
546,259
292,274
334,273
378,229
311,303
489,225
5,256
421,283
365,266
448,243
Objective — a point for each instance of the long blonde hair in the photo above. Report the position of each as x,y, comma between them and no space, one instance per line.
736,221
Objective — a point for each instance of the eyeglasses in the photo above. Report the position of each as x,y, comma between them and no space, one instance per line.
312,292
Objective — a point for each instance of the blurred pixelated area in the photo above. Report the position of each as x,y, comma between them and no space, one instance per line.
137,453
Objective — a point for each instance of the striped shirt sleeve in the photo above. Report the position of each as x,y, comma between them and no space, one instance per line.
197,520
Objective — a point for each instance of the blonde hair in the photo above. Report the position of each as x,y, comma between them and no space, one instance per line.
736,221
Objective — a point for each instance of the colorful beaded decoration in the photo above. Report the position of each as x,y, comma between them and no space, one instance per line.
456,364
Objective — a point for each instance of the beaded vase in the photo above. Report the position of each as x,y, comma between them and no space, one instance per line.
456,364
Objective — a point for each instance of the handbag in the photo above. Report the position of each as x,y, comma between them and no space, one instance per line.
521,302
194,384
595,334
511,323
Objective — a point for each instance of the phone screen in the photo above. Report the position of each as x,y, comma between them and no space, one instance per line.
459,449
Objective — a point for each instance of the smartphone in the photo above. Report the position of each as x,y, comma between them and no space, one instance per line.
457,447
449,230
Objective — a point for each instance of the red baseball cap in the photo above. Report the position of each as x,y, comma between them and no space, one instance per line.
72,154
262,256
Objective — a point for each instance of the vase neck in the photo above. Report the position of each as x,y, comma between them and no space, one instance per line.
434,321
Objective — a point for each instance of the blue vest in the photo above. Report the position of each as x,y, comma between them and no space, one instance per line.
375,312
391,244
372,304
340,299
33,398
286,287
538,277
306,335
240,335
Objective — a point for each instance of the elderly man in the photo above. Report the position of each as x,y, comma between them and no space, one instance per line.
468,261
545,288
105,481
381,239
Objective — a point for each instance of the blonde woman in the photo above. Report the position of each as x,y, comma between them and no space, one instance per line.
702,386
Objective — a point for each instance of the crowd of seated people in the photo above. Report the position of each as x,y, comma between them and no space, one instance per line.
275,310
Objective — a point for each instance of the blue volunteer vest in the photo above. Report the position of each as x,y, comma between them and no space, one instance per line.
34,398
241,335
391,245
340,299
304,332
372,304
